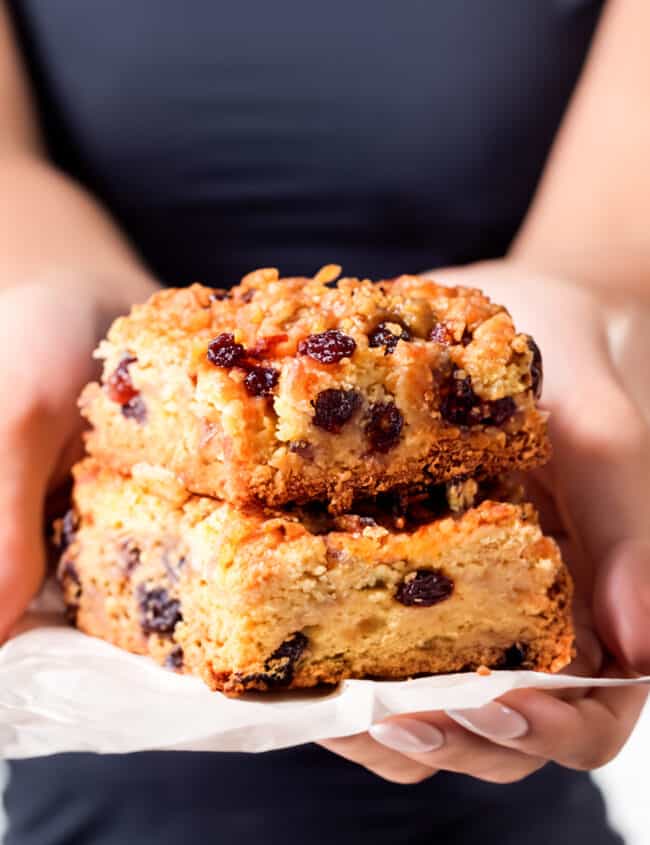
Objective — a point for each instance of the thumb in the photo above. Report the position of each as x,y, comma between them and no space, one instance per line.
22,556
622,603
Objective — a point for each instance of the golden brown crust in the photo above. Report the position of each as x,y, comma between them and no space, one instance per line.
199,420
248,599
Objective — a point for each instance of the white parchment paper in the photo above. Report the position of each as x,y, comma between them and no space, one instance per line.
61,690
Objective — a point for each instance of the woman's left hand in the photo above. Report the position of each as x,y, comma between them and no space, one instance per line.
593,497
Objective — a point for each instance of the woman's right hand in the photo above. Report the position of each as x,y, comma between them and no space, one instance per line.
48,335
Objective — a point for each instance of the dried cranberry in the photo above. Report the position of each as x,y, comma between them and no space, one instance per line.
327,347
260,381
303,448
381,335
174,659
224,352
441,333
384,426
129,555
334,407
424,588
536,369
135,409
119,386
514,656
159,613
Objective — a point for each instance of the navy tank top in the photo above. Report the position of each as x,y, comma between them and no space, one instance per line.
384,136
387,137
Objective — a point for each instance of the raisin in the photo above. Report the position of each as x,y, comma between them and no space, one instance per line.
536,369
424,588
461,493
129,555
303,448
218,294
467,337
281,664
224,352
174,659
381,335
66,531
327,347
384,426
441,333
159,613
260,381
135,409
69,573
334,407
119,386
514,656
461,406
71,584
498,411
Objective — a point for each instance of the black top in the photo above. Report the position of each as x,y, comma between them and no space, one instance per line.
388,137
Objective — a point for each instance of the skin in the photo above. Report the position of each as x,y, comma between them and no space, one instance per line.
581,258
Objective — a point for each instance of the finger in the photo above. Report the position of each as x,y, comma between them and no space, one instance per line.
23,468
580,734
622,603
458,751
382,761
601,472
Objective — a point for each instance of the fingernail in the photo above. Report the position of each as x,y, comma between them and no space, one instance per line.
494,721
407,735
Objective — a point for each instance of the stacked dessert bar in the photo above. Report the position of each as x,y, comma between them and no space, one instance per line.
303,480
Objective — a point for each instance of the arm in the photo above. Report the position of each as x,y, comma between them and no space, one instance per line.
584,244
65,272
589,221
51,230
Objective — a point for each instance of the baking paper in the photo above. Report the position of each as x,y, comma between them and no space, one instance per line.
61,690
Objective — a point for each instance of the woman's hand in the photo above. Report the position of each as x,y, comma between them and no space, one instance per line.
48,335
594,497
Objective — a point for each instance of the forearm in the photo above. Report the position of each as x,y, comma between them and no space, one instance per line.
54,233
589,219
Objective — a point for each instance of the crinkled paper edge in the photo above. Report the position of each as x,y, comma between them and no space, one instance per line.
62,691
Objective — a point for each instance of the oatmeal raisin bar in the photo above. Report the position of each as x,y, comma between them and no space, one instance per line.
256,599
288,390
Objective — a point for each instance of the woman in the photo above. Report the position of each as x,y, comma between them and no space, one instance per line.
158,142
